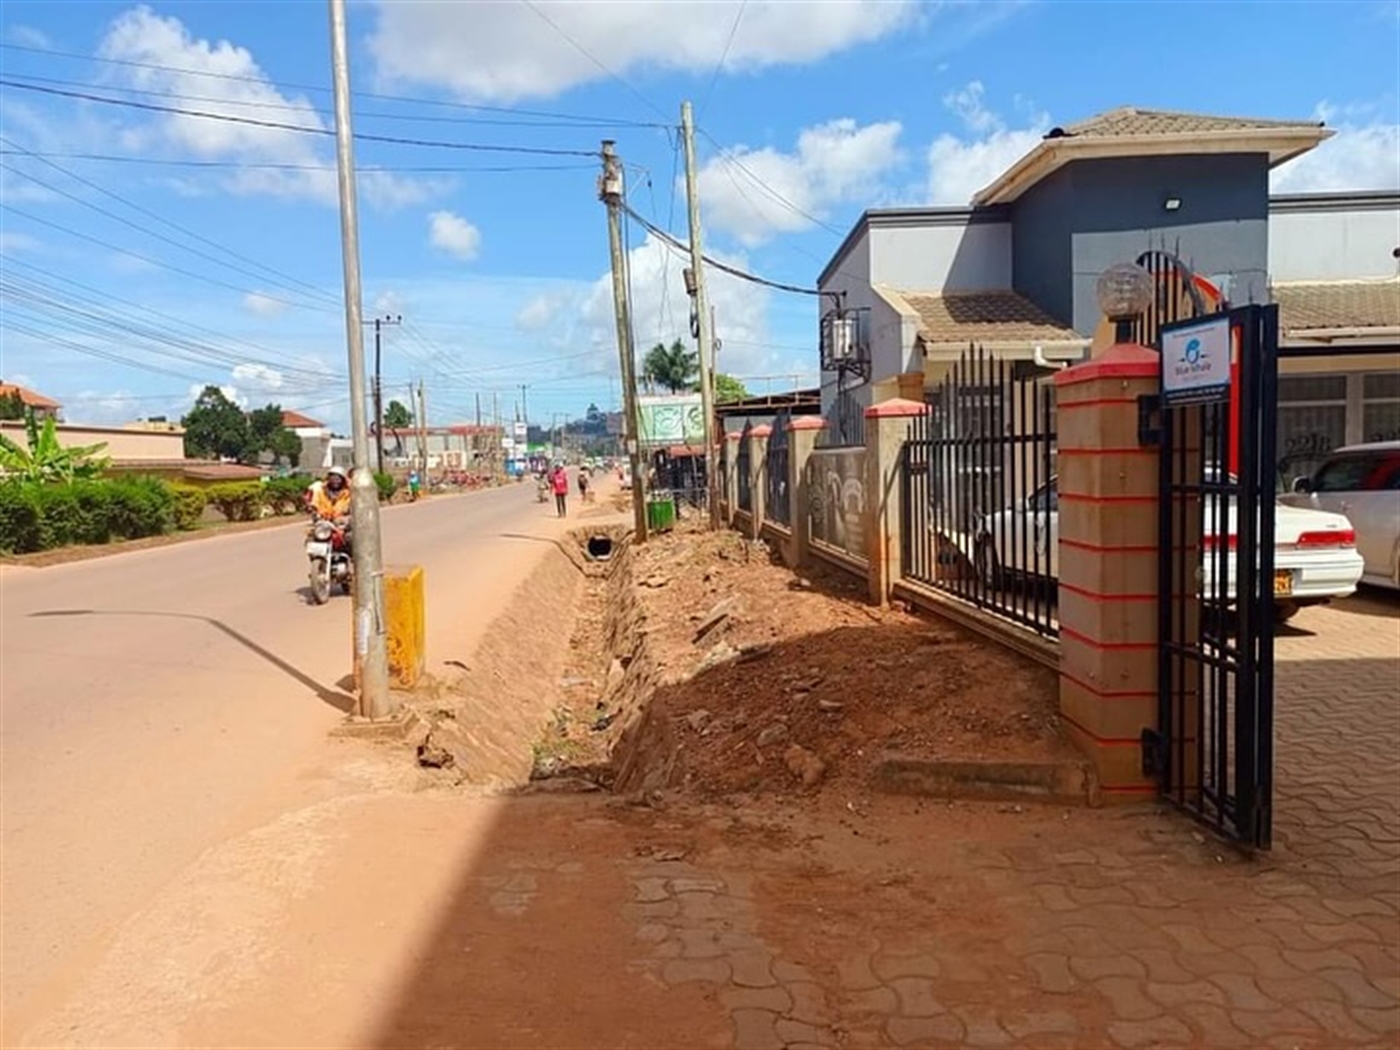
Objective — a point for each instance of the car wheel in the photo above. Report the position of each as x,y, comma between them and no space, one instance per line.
1285,611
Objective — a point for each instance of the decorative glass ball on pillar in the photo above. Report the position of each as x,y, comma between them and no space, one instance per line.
1124,292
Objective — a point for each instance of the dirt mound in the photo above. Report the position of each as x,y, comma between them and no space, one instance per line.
731,674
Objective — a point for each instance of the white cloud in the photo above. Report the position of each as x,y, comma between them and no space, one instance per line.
958,166
834,162
171,60
99,409
12,242
451,233
661,308
264,305
257,380
513,51
28,36
1364,154
539,312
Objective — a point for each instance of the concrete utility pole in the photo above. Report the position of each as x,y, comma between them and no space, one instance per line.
379,322
423,430
610,193
704,319
375,700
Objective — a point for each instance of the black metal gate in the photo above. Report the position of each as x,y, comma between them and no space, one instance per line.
1212,751
776,502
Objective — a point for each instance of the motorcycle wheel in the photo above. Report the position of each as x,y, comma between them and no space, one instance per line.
320,581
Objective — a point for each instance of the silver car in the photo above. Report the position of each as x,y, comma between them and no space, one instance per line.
1363,483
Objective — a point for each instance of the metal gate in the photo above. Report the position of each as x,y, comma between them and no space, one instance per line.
1212,751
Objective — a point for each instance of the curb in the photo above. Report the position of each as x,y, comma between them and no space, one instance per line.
1067,782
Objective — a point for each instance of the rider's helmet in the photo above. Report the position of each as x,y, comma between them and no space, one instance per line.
337,472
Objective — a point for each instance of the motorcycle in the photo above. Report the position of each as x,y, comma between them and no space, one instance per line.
330,559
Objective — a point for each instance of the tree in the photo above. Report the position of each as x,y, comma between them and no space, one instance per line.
46,459
673,367
12,406
728,389
267,433
397,416
215,427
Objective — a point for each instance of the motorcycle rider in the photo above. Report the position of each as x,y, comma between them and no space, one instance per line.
330,499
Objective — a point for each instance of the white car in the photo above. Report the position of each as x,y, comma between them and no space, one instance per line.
1363,483
1315,555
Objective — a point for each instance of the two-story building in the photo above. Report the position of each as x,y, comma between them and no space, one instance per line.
1014,271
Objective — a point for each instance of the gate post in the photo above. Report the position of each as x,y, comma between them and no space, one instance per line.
802,439
758,478
886,430
1108,563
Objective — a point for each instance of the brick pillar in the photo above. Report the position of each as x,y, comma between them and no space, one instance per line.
758,476
886,430
802,438
731,477
1108,551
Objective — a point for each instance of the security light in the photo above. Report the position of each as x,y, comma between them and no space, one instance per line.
1172,204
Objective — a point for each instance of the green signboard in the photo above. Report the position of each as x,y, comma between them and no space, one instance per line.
671,420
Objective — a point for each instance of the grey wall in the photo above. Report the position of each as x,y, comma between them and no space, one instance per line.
1334,237
1094,213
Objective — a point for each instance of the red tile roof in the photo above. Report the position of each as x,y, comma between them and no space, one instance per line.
29,397
296,420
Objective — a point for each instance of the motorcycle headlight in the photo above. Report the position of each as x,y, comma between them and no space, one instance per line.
323,531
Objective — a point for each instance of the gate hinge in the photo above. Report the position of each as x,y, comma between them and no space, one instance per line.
1154,753
1149,407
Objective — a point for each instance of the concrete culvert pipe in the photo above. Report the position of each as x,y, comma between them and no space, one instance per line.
600,548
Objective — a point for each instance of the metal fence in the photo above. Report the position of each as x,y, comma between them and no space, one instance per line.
777,504
743,466
845,423
980,504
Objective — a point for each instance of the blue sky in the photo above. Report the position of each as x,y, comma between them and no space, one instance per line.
146,253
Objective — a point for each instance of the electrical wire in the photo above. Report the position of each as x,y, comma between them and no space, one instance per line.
227,118
683,248
719,66
50,53
365,169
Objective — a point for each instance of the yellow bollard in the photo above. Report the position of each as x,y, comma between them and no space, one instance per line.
404,626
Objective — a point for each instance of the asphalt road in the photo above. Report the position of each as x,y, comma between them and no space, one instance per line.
152,702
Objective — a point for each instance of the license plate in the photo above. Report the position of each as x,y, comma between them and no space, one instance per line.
318,550
1283,583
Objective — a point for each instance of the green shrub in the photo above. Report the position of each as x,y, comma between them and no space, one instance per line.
20,519
137,507
386,485
237,500
287,495
189,506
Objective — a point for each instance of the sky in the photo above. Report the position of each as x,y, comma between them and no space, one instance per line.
150,245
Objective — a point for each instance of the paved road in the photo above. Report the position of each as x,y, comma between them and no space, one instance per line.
151,701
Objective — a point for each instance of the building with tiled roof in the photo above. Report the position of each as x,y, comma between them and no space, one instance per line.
1013,272
42,406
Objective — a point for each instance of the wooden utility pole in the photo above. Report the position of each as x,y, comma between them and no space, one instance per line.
423,430
610,193
378,392
704,320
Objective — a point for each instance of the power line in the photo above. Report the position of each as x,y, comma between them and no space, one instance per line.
292,107
684,248
719,66
728,158
321,88
430,169
277,125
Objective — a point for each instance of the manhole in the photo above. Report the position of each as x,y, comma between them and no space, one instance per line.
600,548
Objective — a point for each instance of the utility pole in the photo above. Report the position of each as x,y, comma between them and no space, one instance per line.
379,322
610,193
704,319
375,700
497,446
423,430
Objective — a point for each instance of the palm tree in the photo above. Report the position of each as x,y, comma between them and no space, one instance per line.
45,459
673,367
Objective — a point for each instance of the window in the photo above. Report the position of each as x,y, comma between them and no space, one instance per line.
1348,473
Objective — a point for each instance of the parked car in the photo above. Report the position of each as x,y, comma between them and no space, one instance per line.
1362,482
1315,554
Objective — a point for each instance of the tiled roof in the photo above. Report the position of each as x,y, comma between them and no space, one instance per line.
1329,305
222,472
296,420
1129,120
986,317
29,397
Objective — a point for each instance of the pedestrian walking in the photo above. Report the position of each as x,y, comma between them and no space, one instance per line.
560,482
583,482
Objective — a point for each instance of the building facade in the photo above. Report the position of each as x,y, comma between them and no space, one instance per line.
1014,272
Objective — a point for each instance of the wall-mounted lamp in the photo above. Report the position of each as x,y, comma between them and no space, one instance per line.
1172,204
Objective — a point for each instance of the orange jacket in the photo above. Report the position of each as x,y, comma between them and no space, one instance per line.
328,505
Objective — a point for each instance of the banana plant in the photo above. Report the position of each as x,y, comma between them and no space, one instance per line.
46,460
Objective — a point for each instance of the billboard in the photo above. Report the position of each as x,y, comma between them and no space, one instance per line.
670,419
